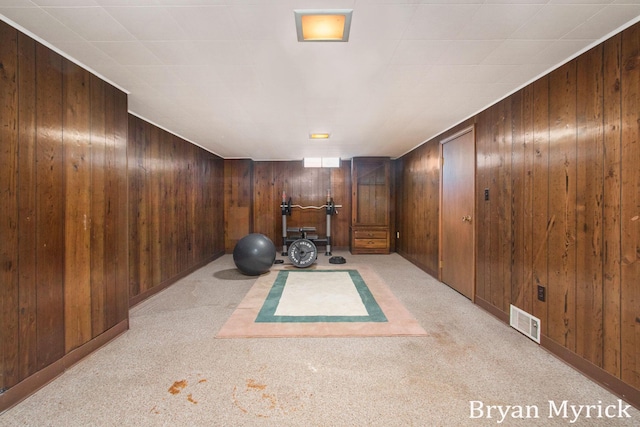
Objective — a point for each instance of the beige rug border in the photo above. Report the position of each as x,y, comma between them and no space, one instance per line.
242,324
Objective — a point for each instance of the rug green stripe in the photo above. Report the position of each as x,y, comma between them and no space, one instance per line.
268,310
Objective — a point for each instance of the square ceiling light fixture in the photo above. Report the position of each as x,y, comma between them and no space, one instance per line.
317,25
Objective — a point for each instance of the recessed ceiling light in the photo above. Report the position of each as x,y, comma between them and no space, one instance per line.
317,25
319,136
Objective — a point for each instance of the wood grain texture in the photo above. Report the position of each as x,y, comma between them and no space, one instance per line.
541,217
630,206
27,204
483,207
562,204
418,206
564,214
175,205
77,177
589,176
306,187
51,301
611,206
520,291
50,207
99,270
9,281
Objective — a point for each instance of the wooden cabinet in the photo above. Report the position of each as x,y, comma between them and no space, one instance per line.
370,205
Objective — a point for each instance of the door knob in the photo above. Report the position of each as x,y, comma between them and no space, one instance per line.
466,218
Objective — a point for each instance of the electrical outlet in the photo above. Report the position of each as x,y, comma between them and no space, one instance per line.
541,293
486,194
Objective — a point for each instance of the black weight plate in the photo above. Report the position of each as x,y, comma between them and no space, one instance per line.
303,253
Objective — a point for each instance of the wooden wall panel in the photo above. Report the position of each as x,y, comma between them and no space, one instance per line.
99,274
589,162
611,206
78,192
417,213
175,207
542,223
27,205
306,187
562,206
630,206
9,285
528,290
238,182
52,279
560,158
483,133
116,197
50,207
520,292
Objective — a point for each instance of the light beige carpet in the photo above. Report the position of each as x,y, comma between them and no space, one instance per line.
242,323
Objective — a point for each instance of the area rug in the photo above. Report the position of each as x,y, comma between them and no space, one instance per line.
320,302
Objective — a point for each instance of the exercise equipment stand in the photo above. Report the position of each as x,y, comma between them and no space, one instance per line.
286,208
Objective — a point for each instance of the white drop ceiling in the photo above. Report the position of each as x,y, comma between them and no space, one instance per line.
231,77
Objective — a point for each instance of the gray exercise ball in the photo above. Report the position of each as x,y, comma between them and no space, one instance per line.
254,254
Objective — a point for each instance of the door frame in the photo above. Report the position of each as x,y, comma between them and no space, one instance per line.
456,135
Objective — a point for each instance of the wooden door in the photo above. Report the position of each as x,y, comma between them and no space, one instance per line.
457,213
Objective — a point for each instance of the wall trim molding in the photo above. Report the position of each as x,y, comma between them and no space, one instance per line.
417,263
493,310
44,376
137,299
598,375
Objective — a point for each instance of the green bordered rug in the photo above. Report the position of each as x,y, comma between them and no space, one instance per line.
332,302
320,296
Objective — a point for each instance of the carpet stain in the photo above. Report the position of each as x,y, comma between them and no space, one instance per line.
190,399
178,386
256,399
252,384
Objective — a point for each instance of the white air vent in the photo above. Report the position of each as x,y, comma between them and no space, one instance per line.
525,323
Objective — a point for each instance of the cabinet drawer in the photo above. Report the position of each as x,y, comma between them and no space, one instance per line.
370,243
370,234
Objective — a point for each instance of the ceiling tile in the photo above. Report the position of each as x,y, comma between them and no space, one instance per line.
40,23
608,19
128,53
411,52
555,21
148,23
516,52
92,23
496,22
205,22
467,51
440,21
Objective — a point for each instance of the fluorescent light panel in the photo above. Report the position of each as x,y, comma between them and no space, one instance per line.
317,25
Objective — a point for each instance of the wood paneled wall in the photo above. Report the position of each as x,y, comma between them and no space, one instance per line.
176,198
63,198
561,160
306,187
417,206
238,202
